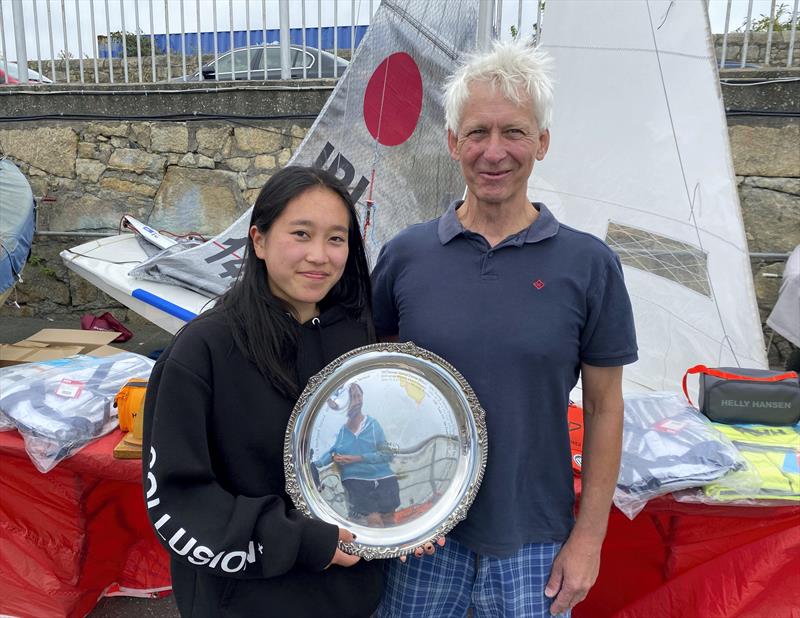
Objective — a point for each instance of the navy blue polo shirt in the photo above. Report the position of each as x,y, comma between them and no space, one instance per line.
517,320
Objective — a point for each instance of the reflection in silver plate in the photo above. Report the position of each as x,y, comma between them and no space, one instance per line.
389,442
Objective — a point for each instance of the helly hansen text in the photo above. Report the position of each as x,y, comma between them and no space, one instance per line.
745,403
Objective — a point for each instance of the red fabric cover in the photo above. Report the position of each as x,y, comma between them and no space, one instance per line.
106,322
694,560
69,534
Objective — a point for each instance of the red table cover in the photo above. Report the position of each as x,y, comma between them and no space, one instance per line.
677,560
70,535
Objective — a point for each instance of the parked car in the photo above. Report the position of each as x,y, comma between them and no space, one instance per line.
13,75
233,65
6,79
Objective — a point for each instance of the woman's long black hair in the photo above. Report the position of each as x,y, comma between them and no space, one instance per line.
262,325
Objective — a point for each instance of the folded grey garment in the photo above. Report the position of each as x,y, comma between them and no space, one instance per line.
667,445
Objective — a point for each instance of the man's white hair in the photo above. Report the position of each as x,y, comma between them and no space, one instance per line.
519,71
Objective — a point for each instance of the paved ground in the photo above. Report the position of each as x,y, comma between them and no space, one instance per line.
127,607
146,338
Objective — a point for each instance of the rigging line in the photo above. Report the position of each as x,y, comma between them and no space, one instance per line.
86,255
383,100
368,215
641,50
424,31
663,21
685,180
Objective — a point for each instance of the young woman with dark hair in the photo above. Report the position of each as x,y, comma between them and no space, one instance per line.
217,407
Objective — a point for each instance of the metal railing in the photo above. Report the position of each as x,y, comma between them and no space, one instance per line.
747,33
146,41
765,36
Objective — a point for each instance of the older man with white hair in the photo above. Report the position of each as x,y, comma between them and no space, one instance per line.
522,306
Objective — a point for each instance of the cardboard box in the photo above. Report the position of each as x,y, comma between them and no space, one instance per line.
53,343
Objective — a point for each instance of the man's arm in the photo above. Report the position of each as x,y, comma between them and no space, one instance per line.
576,567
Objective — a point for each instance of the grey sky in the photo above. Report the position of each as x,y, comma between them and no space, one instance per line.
66,35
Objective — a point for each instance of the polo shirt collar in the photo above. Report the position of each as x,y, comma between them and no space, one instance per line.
545,226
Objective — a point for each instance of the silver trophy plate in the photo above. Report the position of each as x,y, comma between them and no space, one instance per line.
389,442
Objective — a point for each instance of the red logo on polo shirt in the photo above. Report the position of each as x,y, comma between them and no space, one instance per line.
538,284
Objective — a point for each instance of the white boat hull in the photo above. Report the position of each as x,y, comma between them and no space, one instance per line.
106,263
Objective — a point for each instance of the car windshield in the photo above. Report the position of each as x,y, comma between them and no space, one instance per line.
274,58
239,58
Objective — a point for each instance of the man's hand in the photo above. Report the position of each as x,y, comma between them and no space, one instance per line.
341,558
425,550
347,459
574,572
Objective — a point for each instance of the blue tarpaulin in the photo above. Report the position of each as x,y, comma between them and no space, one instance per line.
344,34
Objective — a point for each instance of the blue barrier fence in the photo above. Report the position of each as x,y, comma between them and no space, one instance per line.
313,37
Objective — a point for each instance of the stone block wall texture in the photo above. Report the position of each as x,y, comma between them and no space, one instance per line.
199,176
178,176
757,48
766,159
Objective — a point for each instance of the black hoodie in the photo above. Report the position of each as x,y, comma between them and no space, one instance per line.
215,487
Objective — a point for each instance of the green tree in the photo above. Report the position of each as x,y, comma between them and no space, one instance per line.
130,42
516,33
781,21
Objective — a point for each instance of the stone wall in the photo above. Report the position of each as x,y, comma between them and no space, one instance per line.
757,48
117,64
767,163
179,176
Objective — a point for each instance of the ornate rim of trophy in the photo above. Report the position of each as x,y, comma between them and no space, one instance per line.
435,445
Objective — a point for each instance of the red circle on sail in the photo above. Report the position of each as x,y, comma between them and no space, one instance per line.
393,100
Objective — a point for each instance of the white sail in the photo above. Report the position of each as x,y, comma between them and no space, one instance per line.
640,158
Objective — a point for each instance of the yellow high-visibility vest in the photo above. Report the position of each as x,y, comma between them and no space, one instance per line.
772,452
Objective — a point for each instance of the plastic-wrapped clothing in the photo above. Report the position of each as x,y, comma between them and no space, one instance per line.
774,452
59,405
667,445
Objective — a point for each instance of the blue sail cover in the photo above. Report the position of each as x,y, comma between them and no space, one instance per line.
17,223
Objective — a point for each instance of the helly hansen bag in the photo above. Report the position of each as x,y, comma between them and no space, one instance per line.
735,395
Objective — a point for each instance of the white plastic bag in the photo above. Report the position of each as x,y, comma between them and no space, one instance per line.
668,445
59,406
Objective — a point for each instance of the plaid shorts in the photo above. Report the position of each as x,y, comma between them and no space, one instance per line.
454,579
